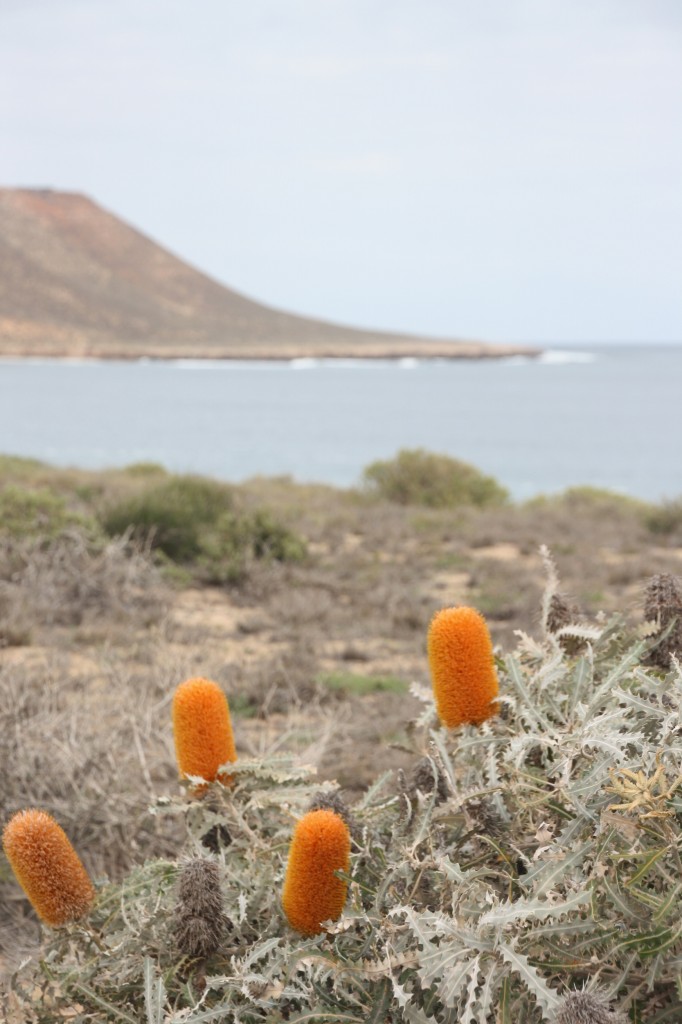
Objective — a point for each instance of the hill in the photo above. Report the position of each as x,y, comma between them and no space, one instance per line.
75,280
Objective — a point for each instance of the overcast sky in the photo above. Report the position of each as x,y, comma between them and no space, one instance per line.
495,169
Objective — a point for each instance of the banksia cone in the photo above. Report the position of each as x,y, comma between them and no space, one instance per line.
588,1008
662,605
312,892
202,729
331,801
560,614
47,867
200,921
462,667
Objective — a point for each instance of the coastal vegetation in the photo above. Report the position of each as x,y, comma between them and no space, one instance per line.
497,862
417,477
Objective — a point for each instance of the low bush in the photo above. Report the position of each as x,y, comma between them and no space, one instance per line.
665,520
193,522
170,515
40,514
418,477
586,500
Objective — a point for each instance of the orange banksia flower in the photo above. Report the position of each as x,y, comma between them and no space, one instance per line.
312,892
202,729
462,667
47,867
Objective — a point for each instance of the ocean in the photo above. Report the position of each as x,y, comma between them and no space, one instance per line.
607,416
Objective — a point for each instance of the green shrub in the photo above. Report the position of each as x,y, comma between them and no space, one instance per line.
272,540
36,514
666,519
192,521
146,469
418,477
591,500
171,515
235,539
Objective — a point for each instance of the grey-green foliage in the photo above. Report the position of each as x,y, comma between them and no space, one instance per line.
418,477
525,884
38,514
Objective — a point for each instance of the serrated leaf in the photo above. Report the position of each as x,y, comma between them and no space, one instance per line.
620,901
490,985
546,998
646,865
381,1002
669,902
505,1002
582,674
258,951
154,993
534,909
616,674
454,971
468,1013
103,1003
544,877
530,706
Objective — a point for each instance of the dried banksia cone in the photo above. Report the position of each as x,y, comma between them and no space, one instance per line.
560,614
200,920
202,729
331,801
47,867
462,667
588,1008
663,605
312,892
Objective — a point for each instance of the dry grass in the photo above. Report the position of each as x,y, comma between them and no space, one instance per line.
71,582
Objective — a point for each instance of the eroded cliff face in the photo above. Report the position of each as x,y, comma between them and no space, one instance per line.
76,280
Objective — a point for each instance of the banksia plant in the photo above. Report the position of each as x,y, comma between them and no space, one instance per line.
462,667
200,920
663,606
47,867
202,729
312,892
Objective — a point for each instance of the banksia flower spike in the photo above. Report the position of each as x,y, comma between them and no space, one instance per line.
47,867
200,920
312,892
202,729
462,667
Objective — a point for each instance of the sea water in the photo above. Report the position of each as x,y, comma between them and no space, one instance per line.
608,416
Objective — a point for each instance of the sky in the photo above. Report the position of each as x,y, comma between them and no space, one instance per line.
504,170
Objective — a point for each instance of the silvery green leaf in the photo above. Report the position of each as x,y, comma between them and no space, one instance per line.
532,910
546,876
154,993
546,998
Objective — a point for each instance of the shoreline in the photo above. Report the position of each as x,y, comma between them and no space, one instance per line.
287,354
